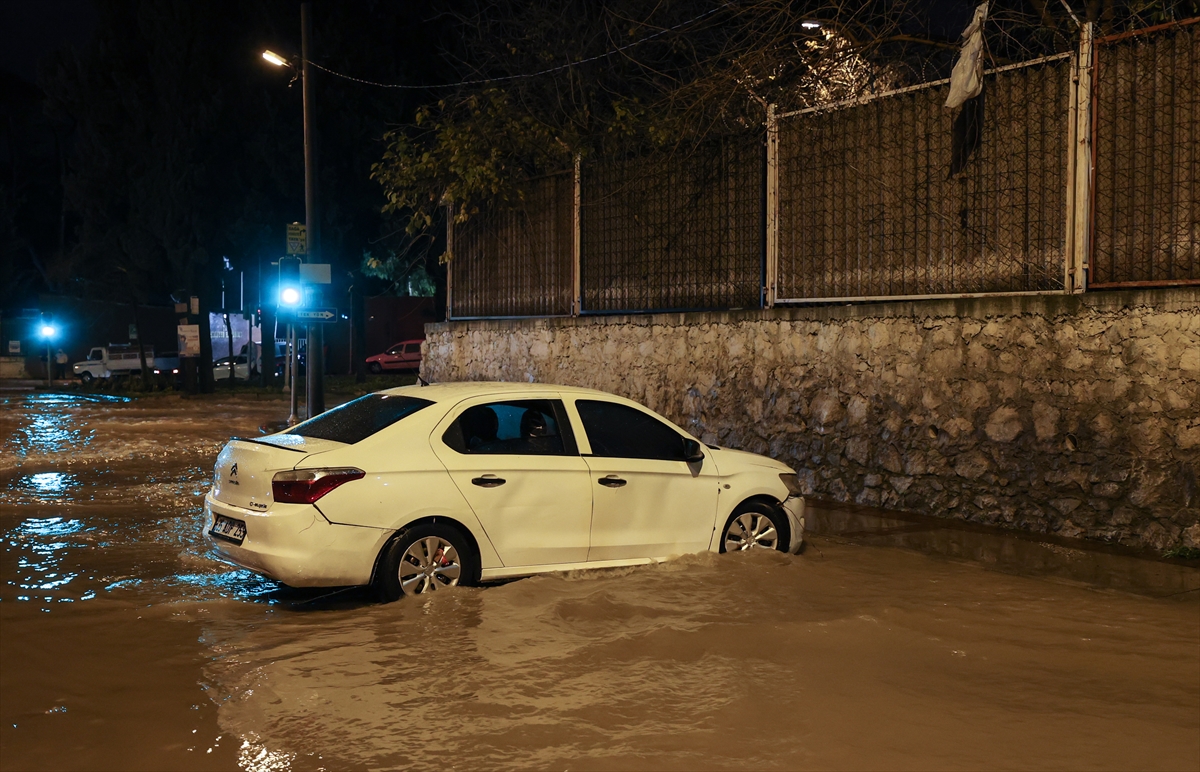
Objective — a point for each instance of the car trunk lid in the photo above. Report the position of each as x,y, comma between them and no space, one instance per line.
244,469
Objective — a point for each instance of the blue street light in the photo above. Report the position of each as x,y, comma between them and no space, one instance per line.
290,286
48,332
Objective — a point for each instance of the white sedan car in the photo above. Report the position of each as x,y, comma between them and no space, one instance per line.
418,488
241,368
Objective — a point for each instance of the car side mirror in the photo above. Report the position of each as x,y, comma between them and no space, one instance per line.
692,452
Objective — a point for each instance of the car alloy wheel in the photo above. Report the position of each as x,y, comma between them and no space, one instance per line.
375,368
425,558
752,526
427,565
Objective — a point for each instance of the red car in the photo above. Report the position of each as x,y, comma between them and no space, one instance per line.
405,355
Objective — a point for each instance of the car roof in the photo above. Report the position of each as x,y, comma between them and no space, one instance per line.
459,390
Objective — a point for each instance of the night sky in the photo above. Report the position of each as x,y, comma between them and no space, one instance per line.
30,29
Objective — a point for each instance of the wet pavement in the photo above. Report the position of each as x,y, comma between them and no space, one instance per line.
894,642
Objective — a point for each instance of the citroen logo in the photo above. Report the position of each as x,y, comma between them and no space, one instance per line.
233,470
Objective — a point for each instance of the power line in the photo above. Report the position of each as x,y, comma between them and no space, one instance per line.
503,78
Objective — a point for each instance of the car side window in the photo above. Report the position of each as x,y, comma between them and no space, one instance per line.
619,431
524,427
412,348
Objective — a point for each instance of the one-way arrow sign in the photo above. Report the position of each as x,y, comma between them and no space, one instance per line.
316,314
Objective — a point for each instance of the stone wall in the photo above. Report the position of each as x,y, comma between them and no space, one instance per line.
1073,415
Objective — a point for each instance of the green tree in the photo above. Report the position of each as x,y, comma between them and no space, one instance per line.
542,82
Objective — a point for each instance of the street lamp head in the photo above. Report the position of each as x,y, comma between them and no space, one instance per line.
807,24
48,331
275,59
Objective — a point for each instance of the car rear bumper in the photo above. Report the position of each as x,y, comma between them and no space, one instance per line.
794,507
294,544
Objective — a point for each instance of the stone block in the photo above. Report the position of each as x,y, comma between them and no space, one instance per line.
1045,421
1004,424
889,458
971,465
858,449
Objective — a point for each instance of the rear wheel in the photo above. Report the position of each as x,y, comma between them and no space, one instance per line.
753,526
425,558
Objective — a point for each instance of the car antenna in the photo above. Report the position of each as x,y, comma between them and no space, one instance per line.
421,380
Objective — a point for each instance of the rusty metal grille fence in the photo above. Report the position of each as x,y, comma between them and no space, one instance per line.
868,208
674,232
517,261
861,204
1146,216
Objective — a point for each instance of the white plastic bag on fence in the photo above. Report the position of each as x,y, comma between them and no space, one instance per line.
966,80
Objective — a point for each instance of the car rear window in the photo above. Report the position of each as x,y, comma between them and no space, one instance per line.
359,419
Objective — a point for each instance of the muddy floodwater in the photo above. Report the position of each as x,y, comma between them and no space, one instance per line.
892,643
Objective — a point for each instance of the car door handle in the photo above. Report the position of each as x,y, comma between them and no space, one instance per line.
488,481
611,481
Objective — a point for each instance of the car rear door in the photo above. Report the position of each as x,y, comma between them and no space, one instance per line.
517,465
647,502
412,354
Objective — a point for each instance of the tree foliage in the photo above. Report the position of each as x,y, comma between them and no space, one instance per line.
541,82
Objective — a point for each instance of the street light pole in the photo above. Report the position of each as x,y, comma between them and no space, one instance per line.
315,364
48,333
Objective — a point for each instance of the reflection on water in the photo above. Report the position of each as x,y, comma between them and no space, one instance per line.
963,648
41,544
48,484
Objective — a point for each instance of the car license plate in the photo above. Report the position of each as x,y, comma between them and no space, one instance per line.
229,529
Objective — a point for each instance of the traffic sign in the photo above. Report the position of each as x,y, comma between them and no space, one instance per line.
297,239
315,314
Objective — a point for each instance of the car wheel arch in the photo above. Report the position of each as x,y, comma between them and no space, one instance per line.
760,498
472,541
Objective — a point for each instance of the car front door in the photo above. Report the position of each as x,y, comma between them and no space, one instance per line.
647,502
516,463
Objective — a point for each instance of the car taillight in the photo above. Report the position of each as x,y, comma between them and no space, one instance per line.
305,486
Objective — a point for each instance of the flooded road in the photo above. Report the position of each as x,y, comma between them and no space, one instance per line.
892,643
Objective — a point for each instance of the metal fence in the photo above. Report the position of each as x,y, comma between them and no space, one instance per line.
1146,215
674,231
1085,159
517,261
868,207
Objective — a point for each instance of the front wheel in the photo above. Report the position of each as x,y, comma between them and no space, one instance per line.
86,377
753,526
425,558
375,368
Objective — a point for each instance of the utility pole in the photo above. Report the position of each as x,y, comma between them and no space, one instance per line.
316,338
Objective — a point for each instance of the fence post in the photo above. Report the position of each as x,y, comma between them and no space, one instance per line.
771,272
1079,165
450,262
576,240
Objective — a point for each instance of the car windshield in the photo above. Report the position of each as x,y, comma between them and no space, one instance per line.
359,419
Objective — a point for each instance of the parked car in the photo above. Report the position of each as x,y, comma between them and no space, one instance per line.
118,359
405,355
418,488
241,368
281,355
